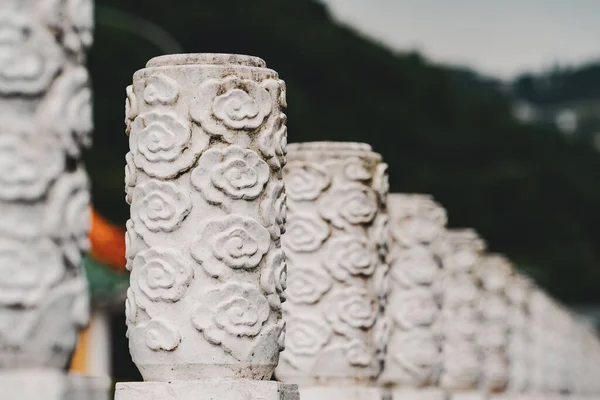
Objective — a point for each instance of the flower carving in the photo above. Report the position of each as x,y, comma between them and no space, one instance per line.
350,204
162,144
133,243
305,181
358,353
28,270
160,206
307,285
414,266
223,107
131,309
306,336
351,310
417,219
130,177
78,26
69,105
229,312
381,182
68,216
131,108
28,165
273,143
273,209
305,232
234,241
29,56
273,278
416,352
413,308
161,89
230,173
162,273
162,335
355,170
350,256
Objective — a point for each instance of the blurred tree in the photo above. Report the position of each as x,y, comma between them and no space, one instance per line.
532,195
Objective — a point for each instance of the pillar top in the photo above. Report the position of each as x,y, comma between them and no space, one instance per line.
332,150
206,59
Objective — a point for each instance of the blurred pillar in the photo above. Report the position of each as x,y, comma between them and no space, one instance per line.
460,252
207,142
45,123
413,354
336,247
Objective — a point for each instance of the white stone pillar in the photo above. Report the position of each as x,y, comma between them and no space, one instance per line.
204,179
45,123
460,252
413,353
494,273
336,247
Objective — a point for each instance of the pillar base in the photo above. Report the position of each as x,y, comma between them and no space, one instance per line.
207,390
471,395
417,394
39,384
343,393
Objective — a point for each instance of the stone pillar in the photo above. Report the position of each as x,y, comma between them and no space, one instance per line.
494,273
336,248
460,252
519,339
413,353
204,179
45,123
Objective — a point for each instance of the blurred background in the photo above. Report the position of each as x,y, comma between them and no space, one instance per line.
491,107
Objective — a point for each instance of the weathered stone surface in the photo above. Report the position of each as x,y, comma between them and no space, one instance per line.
207,142
336,247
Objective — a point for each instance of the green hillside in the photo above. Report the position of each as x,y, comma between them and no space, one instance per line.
529,193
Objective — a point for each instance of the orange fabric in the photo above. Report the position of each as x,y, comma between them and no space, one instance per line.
108,242
79,361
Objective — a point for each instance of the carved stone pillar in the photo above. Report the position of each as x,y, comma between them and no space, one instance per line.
336,247
45,123
204,179
460,252
494,273
413,353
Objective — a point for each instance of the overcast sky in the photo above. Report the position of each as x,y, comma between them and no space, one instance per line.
496,37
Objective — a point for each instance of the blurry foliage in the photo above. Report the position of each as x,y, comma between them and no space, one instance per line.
532,195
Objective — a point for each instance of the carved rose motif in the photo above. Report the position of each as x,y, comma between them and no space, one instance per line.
162,335
230,173
355,170
68,215
161,89
131,108
416,218
306,337
162,144
79,24
413,308
381,183
162,274
414,266
350,256
28,270
273,278
273,209
130,177
133,243
273,143
131,309
307,285
305,232
305,181
358,353
351,310
494,272
29,56
233,241
229,312
223,107
459,250
28,166
69,105
415,352
160,206
351,204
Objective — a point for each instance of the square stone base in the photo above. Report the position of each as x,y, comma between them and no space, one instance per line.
417,394
52,385
207,390
343,393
